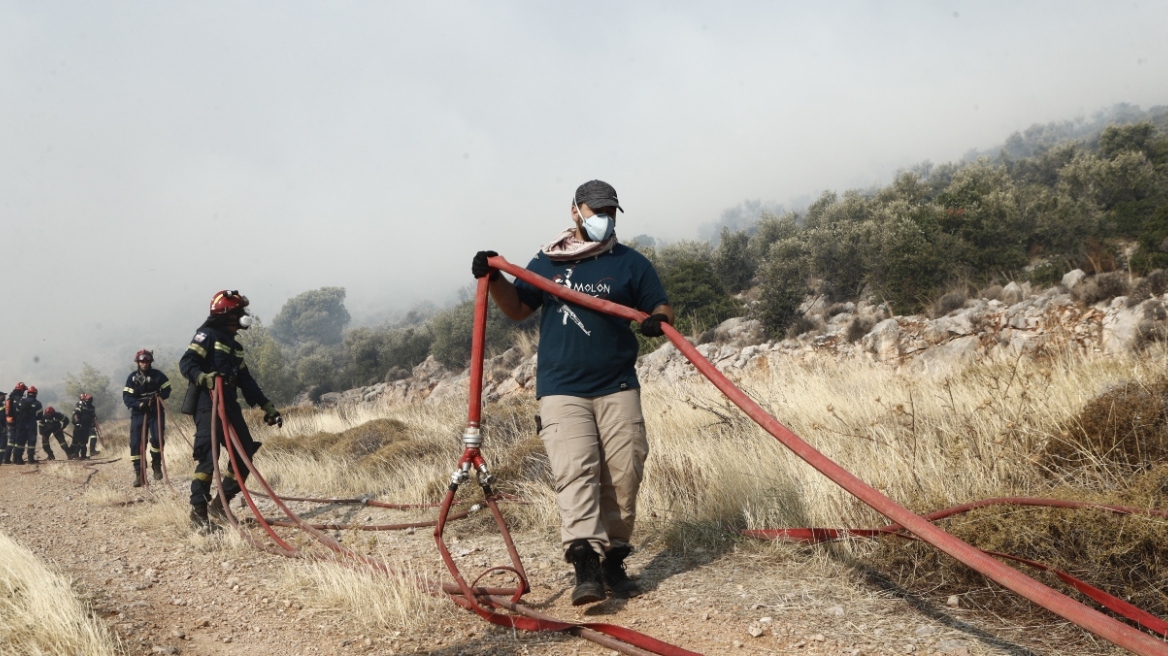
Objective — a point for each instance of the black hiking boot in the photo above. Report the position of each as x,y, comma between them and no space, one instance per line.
18,457
589,582
216,509
615,577
156,467
200,521
137,475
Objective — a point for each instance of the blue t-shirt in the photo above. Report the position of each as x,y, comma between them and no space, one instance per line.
582,352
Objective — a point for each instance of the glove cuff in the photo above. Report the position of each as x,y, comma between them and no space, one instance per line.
269,408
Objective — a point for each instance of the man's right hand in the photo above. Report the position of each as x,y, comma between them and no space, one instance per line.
479,266
207,380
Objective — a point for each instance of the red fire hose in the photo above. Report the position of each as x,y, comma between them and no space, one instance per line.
1108,601
1094,621
484,601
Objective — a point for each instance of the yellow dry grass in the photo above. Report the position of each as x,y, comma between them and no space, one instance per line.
374,599
39,612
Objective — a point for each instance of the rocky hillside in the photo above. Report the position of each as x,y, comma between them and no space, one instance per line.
1014,319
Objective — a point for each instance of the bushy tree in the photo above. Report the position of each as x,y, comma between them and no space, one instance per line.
909,267
696,295
91,381
982,213
316,316
268,364
453,331
784,285
370,353
733,261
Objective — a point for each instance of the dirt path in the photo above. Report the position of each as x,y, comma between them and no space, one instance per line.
167,592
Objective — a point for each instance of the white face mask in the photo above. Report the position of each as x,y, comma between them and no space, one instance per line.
245,321
598,227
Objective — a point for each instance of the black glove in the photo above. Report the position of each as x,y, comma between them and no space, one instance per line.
272,416
144,404
479,266
651,326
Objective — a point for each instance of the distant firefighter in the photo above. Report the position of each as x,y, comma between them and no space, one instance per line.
27,411
142,392
84,422
11,405
53,423
3,427
214,353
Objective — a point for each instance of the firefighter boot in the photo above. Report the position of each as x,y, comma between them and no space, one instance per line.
137,473
216,510
50,454
615,577
589,582
200,521
156,465
18,456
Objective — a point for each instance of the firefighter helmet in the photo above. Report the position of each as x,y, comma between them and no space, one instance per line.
19,387
228,302
144,356
49,410
86,398
32,390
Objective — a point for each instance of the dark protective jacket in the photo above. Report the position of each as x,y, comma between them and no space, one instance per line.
214,349
84,415
28,410
143,386
51,423
11,404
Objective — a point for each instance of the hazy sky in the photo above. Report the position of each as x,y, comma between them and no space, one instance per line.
152,153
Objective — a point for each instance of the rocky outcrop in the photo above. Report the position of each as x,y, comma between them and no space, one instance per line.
1018,320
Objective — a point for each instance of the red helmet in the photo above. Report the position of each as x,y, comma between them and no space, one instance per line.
49,410
19,387
86,398
228,302
144,356
32,391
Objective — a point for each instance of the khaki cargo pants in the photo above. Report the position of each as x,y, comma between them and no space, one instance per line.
597,449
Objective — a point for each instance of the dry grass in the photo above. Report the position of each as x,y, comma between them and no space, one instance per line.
39,612
378,601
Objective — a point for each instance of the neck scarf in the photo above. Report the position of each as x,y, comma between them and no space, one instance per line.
567,247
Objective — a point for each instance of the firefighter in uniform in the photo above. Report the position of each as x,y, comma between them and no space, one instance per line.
3,426
84,419
215,353
53,423
27,412
142,392
11,405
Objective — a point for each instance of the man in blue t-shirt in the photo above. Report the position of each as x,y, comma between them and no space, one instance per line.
586,383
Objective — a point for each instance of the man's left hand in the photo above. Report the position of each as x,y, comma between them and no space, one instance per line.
272,416
651,326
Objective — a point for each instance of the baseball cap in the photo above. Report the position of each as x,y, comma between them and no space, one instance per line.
597,194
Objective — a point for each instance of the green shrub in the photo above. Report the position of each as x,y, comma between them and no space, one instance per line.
317,316
697,296
453,330
784,286
733,261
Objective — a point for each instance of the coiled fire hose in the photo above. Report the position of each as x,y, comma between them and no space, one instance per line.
484,601
1090,619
